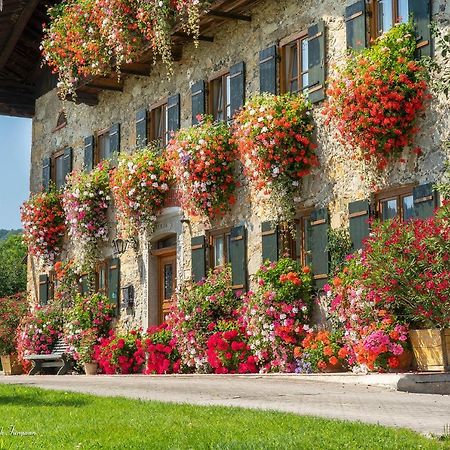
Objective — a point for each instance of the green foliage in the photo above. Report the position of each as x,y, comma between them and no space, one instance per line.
6,233
339,246
12,310
74,420
13,269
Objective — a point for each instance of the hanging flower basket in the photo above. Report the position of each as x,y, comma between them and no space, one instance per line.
376,97
273,135
43,225
140,185
202,160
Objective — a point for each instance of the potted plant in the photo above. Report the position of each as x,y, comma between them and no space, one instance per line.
85,351
12,309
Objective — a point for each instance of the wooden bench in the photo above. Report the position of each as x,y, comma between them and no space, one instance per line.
59,357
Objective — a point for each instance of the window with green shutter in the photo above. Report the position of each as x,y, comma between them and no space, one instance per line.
237,87
114,143
358,215
238,257
269,237
268,70
355,25
173,113
43,289
46,173
198,258
141,128
395,203
89,157
318,244
425,200
198,99
114,281
316,62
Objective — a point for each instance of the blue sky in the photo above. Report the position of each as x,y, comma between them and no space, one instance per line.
15,148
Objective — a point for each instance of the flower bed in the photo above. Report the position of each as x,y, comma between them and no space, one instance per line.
274,139
43,225
276,313
203,161
140,185
376,97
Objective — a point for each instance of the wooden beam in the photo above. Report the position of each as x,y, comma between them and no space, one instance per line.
98,84
229,15
189,37
142,70
86,98
18,29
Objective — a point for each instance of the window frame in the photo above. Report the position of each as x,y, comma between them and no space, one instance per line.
151,123
297,39
398,194
102,265
53,172
224,76
375,29
98,135
212,235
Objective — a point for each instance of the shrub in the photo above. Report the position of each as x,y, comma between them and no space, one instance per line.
12,310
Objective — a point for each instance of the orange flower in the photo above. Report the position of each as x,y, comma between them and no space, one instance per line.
322,365
328,351
297,352
333,360
342,353
306,269
337,282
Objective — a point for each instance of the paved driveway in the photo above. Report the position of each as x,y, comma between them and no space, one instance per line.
426,413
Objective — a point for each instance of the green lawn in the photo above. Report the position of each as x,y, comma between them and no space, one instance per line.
77,421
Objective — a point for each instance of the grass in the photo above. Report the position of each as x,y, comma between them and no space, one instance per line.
64,420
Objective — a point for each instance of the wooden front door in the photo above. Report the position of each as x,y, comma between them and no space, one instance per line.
167,280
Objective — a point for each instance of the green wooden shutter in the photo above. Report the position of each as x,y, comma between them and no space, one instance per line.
316,62
425,200
89,143
358,214
269,234
198,258
114,143
43,289
46,173
318,242
114,281
198,100
355,22
67,161
268,70
421,11
173,113
238,257
141,128
237,87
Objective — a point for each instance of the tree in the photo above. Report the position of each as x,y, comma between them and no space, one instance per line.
13,269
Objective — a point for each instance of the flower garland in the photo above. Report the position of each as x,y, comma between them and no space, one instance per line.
376,97
273,134
85,201
94,37
43,225
140,185
202,160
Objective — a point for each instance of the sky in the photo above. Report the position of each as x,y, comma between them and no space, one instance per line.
15,148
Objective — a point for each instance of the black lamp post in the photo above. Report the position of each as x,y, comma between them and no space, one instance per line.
120,246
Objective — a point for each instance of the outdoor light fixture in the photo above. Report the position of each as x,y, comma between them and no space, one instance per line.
120,246
184,219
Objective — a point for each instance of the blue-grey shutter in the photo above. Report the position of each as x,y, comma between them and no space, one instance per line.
355,22
237,87
318,243
114,142
173,113
421,12
358,214
43,289
425,200
89,143
268,70
198,258
46,173
67,161
238,257
198,99
141,128
269,234
316,62
114,281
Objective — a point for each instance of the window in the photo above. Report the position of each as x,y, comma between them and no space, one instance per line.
395,203
159,127
294,63
219,242
101,278
219,105
386,13
58,173
103,146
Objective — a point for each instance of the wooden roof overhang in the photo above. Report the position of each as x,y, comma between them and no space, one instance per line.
21,74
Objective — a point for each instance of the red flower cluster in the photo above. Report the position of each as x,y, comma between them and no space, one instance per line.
375,99
228,352
43,225
202,160
12,310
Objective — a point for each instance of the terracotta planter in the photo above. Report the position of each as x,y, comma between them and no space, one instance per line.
431,349
404,362
11,365
332,369
91,368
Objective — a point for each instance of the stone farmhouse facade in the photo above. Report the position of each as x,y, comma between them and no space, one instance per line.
257,46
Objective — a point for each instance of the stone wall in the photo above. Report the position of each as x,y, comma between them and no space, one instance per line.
335,183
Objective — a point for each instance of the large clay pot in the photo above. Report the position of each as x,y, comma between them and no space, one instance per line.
11,365
431,349
333,369
404,362
91,368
